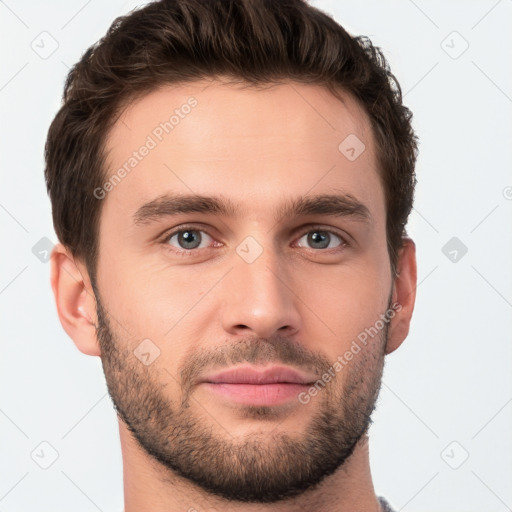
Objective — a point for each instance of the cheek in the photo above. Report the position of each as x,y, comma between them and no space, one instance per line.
344,302
173,304
159,302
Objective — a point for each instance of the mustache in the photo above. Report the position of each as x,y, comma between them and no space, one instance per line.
277,350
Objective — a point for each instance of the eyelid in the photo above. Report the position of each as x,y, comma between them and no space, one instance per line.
301,232
165,237
345,238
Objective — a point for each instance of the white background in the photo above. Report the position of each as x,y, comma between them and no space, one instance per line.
447,391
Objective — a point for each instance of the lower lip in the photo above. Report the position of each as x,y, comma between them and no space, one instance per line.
258,394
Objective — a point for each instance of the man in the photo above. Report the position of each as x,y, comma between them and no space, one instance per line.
230,183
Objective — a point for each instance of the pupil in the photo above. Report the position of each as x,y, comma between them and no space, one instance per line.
187,239
319,237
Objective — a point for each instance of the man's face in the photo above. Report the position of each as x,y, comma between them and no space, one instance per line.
262,285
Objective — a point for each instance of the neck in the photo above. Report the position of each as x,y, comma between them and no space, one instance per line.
148,485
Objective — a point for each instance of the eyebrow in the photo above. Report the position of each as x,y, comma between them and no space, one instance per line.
334,205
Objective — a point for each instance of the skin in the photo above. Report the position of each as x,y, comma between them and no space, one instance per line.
296,303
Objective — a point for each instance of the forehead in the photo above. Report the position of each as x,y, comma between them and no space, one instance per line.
250,143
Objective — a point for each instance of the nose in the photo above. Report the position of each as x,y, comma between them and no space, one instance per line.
259,297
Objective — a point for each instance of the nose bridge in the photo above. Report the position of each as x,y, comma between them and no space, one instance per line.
259,296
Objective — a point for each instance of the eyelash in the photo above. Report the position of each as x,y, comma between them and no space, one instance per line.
190,252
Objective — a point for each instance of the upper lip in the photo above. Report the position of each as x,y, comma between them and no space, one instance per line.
259,375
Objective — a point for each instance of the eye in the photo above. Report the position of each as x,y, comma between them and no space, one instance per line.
322,239
187,239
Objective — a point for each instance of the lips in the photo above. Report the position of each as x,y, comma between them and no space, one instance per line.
260,375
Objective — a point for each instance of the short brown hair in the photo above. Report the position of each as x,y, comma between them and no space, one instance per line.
253,41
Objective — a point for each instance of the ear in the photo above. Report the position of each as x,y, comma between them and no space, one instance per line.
404,295
75,300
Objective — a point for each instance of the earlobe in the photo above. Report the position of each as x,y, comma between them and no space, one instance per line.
75,301
404,295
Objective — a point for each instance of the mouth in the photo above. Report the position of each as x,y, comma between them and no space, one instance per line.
255,386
